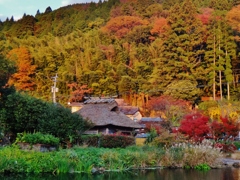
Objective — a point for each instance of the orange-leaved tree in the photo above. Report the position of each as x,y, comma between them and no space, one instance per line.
78,92
160,26
233,17
120,26
23,79
168,108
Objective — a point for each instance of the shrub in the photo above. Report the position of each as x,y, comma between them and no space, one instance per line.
36,138
166,139
152,134
237,144
62,124
89,140
25,113
207,104
225,128
168,108
115,141
202,167
226,147
195,126
191,155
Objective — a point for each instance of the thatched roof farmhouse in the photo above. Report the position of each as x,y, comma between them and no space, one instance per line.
106,117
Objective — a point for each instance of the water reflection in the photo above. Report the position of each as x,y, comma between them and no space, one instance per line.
161,174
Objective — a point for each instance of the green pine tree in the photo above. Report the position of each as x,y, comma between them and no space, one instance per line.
182,53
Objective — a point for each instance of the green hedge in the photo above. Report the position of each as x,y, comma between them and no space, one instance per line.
115,141
89,140
23,113
106,141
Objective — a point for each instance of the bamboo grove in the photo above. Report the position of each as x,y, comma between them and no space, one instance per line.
186,48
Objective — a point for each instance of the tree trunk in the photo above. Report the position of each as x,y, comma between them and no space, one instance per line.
220,83
214,63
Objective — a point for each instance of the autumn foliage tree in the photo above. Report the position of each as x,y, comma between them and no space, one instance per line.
23,79
120,26
225,128
168,108
78,92
233,18
205,15
160,26
160,127
195,126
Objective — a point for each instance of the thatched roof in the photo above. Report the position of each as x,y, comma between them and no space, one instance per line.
121,102
129,110
103,112
151,119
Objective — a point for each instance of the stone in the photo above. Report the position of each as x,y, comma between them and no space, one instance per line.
37,147
236,164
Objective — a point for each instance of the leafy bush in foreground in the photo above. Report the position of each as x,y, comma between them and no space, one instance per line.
36,138
114,141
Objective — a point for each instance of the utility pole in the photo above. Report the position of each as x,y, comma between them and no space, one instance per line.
54,88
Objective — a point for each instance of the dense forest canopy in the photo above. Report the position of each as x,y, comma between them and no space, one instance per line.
183,48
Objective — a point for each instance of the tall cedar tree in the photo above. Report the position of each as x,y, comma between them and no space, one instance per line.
182,52
219,54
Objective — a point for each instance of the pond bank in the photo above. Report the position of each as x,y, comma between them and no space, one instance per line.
231,162
232,159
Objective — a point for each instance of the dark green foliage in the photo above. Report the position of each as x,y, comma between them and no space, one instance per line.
115,141
237,144
24,27
152,134
7,68
106,141
25,113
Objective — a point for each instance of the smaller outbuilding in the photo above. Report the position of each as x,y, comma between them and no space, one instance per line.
132,112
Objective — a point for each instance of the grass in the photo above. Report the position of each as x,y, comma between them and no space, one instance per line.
85,159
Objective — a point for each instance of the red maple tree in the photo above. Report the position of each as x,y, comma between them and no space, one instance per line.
205,15
224,129
195,126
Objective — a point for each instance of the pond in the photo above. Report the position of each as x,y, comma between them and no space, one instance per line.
160,174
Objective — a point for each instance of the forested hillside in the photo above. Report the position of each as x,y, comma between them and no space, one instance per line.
183,48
